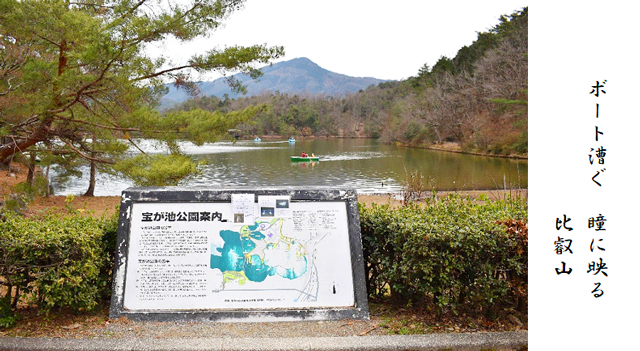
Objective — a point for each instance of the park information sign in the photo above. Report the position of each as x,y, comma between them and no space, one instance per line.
239,255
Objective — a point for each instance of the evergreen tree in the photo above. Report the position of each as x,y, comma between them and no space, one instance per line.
75,76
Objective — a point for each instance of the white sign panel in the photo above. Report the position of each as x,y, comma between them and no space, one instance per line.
195,256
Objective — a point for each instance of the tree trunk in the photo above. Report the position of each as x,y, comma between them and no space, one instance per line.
92,179
46,177
16,297
19,145
31,175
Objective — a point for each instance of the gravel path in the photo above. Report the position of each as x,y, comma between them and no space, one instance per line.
127,329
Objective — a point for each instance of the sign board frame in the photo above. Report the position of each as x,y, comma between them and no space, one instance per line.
137,207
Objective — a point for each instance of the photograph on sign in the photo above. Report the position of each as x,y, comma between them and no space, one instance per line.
274,206
243,208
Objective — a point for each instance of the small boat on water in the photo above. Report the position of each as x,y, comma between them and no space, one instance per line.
292,140
257,140
304,159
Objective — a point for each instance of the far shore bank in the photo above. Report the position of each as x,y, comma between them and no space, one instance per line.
455,147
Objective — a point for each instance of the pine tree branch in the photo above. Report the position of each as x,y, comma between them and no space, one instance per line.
77,151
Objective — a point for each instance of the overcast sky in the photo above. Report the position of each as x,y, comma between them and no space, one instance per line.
360,38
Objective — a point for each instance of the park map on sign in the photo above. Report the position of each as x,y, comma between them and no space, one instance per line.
261,250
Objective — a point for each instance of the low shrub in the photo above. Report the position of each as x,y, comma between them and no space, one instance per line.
455,253
56,262
109,227
7,316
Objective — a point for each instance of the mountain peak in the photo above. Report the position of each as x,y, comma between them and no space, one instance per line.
295,76
302,60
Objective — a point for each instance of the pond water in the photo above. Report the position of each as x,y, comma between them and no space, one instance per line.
366,165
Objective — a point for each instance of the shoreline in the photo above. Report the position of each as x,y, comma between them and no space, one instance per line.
98,206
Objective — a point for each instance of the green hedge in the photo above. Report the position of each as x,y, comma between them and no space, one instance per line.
454,253
57,261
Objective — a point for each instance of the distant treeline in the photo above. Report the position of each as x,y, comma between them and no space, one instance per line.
477,99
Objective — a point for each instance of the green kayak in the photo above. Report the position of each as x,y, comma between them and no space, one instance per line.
304,159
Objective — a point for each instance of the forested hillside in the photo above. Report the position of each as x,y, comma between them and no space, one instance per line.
477,99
